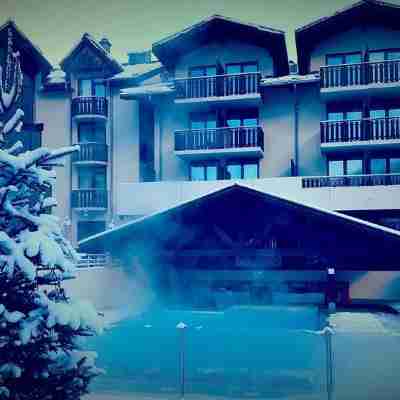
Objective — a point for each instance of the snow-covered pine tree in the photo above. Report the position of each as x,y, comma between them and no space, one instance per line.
41,329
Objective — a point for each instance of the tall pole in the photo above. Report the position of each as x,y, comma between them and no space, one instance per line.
182,326
329,363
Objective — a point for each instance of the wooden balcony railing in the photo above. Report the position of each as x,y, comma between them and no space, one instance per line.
92,151
351,180
218,86
91,105
336,76
378,129
89,198
219,138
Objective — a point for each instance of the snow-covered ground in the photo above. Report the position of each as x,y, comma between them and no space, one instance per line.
253,352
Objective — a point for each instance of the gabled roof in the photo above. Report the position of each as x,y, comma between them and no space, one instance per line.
30,52
87,40
340,237
169,49
363,11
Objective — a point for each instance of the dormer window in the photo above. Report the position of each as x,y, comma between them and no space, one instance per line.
89,87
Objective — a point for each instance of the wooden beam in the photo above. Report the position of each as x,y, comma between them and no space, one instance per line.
241,252
225,238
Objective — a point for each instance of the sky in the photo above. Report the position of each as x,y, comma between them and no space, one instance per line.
56,25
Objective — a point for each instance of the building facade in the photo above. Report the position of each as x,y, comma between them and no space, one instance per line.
223,103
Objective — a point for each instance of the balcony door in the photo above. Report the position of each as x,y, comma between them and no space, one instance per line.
203,130
241,78
244,127
91,132
93,177
90,87
199,87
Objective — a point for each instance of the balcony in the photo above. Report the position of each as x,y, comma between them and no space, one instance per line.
361,134
96,199
91,153
220,142
352,80
219,88
351,180
89,108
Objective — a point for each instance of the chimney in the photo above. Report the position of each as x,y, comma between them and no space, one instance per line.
105,44
139,57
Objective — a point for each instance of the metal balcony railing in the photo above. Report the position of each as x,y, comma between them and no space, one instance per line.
93,260
91,151
379,129
218,86
90,105
336,76
89,198
219,138
351,180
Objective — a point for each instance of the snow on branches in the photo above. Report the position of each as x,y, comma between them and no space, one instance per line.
41,328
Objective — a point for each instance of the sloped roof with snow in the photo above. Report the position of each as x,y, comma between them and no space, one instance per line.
88,40
169,49
382,254
290,80
147,90
364,11
138,71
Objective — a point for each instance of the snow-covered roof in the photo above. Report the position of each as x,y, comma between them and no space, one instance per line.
118,232
169,49
57,76
290,80
147,90
363,11
136,70
87,39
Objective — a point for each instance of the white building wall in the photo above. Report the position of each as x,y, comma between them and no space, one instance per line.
53,109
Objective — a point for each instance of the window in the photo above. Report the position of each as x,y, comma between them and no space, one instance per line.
377,113
92,178
383,55
99,89
242,170
203,172
239,68
88,87
395,165
345,58
196,72
354,167
335,167
236,118
390,111
91,132
345,167
84,87
378,165
353,115
203,121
